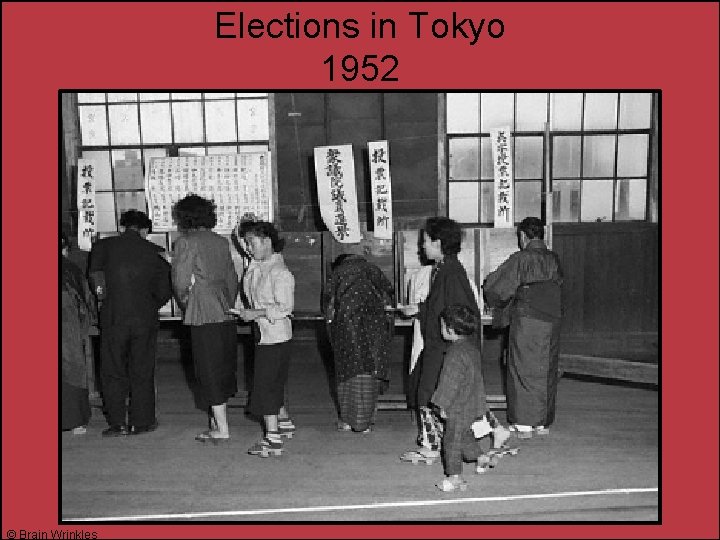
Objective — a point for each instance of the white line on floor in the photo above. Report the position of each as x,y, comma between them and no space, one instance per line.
398,504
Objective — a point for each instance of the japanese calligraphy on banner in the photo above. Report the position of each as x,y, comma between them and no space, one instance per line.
502,160
335,172
239,184
381,188
87,213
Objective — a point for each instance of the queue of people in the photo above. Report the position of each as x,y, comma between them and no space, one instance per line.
447,391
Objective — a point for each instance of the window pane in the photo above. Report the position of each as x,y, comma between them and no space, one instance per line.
630,199
463,111
566,200
528,157
154,96
496,111
222,150
124,124
528,200
219,95
93,125
463,201
597,200
566,157
252,119
129,200
600,111
92,97
463,158
598,155
565,111
103,180
253,148
252,94
105,205
635,110
531,112
186,95
127,168
118,97
487,168
191,151
632,155
187,121
155,123
219,121
487,202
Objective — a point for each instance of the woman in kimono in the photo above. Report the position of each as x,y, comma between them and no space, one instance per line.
78,315
360,334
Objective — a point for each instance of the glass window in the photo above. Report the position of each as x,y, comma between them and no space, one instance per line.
191,151
185,95
598,155
566,157
496,111
93,125
129,200
632,155
216,125
155,121
566,200
251,94
105,212
600,111
487,202
150,153
635,110
187,122
93,97
127,168
463,158
103,177
252,119
154,96
119,97
630,199
528,157
487,167
124,125
565,111
528,200
597,200
221,150
219,95
463,113
463,201
531,111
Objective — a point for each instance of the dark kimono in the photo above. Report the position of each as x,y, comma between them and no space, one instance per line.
449,285
527,287
360,333
78,315
461,393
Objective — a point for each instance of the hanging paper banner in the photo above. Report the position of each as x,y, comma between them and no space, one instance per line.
502,160
240,185
87,213
335,172
381,187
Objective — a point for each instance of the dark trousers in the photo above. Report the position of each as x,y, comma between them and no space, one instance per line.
459,444
128,369
425,376
272,363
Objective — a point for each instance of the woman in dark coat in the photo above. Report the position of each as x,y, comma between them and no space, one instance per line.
360,335
78,315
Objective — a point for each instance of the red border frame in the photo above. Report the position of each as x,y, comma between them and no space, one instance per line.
671,46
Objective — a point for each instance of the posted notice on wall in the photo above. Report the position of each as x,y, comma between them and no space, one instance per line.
502,163
239,184
381,186
335,172
87,216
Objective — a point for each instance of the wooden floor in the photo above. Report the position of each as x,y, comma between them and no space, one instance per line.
599,463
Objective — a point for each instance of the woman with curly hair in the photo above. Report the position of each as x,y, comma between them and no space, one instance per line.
206,284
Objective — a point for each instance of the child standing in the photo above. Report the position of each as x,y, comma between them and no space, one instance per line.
460,394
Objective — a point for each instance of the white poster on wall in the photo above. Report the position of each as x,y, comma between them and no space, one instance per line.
502,163
87,215
381,186
335,172
239,184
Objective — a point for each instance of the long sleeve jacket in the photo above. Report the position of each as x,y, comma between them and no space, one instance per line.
204,277
461,389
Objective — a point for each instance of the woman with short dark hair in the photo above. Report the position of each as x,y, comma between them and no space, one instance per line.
206,284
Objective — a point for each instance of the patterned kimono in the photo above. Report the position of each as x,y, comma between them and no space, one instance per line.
360,334
527,286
